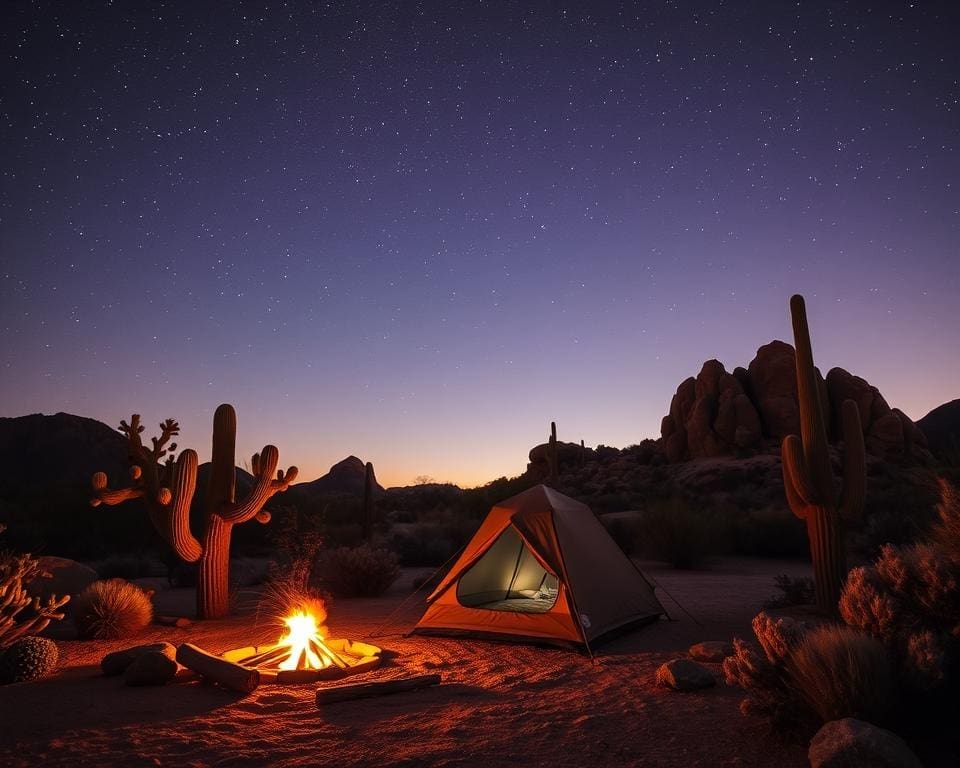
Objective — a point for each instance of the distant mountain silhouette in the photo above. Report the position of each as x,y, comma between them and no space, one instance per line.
942,428
346,477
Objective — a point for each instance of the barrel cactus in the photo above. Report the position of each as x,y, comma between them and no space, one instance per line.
29,658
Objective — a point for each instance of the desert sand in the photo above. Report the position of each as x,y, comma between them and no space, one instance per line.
499,704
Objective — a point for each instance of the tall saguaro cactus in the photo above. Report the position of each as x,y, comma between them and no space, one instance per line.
811,489
168,489
367,515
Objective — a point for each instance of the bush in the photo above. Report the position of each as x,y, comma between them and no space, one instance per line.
112,609
671,531
360,571
840,672
910,600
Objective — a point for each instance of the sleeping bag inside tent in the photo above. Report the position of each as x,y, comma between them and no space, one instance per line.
541,567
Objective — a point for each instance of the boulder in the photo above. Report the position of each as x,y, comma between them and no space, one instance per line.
713,651
67,577
151,668
772,377
684,675
710,415
851,743
117,662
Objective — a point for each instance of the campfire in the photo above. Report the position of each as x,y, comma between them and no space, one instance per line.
305,653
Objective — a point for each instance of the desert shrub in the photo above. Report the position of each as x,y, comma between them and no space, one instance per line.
799,677
909,598
840,672
360,571
793,591
431,542
113,608
762,673
770,531
20,614
29,658
672,531
626,533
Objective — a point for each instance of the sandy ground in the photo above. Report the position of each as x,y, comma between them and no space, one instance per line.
499,704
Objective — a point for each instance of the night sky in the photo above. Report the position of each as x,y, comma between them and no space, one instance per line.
418,232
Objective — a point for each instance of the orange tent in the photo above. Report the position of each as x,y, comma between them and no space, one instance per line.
541,567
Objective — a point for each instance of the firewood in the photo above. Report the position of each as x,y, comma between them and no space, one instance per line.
366,690
217,669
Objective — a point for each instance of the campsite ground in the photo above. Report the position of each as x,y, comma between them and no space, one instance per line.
499,704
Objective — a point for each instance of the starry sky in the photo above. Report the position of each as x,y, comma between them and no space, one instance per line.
419,231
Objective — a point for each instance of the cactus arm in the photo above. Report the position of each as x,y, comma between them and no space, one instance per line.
854,464
792,469
813,431
796,474
264,465
173,517
103,494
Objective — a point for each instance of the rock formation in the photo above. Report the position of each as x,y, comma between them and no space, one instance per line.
751,410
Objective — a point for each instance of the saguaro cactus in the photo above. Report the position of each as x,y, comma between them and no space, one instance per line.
553,460
811,489
367,515
168,489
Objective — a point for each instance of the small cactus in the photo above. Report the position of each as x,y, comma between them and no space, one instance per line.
29,658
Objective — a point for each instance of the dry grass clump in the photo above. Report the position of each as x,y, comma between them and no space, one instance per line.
112,608
360,571
840,672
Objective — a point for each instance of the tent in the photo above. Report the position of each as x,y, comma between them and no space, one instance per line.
541,567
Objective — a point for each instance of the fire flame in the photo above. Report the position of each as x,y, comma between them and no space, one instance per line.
304,639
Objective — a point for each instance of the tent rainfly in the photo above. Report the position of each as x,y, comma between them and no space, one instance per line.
540,568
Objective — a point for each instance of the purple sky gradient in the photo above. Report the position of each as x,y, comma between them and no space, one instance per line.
418,232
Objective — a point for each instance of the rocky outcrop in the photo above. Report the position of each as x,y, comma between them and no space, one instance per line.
710,415
751,410
346,477
568,455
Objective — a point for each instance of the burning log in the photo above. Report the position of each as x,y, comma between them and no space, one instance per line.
217,669
366,690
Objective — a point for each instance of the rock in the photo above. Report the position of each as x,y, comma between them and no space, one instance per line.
115,663
67,577
722,414
568,455
851,743
151,668
713,651
710,415
172,621
772,376
684,675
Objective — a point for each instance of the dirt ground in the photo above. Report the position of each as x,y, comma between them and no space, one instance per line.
499,704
